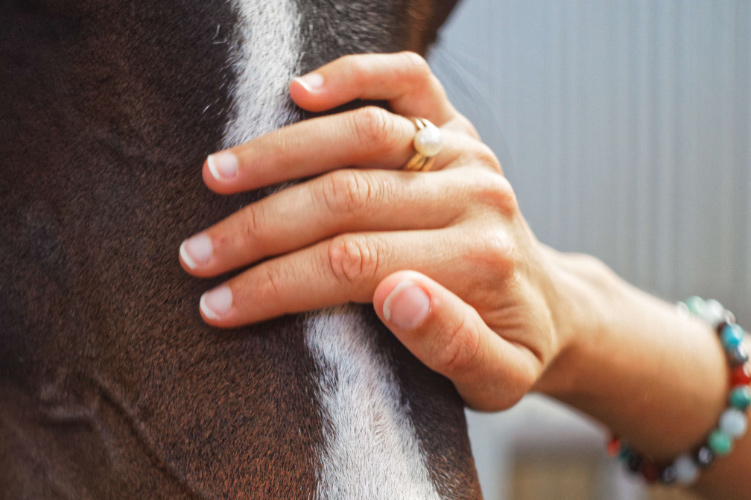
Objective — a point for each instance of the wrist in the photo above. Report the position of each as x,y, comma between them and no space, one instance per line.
650,374
582,289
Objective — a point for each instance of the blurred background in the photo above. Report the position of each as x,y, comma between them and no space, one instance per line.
625,128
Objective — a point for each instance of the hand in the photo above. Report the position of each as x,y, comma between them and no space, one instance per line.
445,256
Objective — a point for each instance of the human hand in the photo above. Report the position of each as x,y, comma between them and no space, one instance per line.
445,256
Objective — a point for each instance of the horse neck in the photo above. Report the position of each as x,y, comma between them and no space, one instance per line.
108,372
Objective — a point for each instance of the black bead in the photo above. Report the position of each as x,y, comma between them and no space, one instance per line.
634,461
738,355
704,457
721,326
668,475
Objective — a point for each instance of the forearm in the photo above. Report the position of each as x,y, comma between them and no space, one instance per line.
656,378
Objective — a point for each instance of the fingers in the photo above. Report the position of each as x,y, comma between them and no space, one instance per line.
404,80
345,201
450,337
343,269
369,137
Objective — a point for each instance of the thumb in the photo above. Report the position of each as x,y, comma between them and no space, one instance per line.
450,337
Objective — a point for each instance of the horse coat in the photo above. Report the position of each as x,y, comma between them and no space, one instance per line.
111,386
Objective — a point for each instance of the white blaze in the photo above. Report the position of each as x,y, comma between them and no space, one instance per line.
266,52
370,446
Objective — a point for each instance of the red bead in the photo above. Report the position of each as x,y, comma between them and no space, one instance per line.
614,447
741,375
651,472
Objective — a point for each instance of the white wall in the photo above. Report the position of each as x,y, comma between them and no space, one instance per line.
624,126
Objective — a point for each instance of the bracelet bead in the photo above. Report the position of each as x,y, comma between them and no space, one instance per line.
741,375
738,355
740,397
686,471
634,462
734,421
669,475
696,306
704,457
650,472
732,336
720,443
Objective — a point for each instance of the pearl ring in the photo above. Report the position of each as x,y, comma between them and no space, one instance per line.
428,143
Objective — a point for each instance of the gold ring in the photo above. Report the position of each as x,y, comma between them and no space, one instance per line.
427,143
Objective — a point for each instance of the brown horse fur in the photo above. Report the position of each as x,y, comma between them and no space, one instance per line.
111,386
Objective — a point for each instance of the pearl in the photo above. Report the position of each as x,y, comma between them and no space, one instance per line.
686,471
734,423
428,141
714,313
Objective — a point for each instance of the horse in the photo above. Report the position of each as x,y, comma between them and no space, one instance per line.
111,386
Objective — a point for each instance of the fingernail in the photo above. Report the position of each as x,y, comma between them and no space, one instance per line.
215,303
223,166
406,306
196,251
311,81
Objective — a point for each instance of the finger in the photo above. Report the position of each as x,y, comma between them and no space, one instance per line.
344,201
404,80
346,268
369,137
450,337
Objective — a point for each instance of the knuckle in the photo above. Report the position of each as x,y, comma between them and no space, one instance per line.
374,128
463,123
353,63
415,64
353,259
267,290
276,143
346,192
485,156
495,253
252,227
496,191
461,349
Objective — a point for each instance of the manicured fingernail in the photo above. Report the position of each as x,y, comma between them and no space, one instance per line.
406,306
311,81
215,303
223,166
196,251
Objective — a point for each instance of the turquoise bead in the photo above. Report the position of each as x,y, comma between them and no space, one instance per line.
720,443
696,305
740,397
731,336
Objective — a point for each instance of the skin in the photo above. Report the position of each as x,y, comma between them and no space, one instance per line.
453,269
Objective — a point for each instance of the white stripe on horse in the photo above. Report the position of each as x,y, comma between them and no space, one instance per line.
371,448
266,53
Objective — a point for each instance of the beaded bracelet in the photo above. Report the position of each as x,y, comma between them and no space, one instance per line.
734,420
